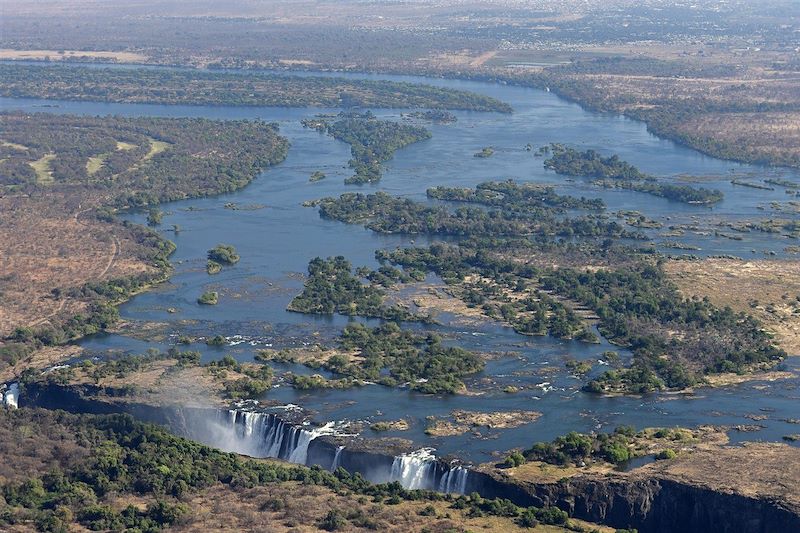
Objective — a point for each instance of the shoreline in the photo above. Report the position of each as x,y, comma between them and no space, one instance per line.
486,76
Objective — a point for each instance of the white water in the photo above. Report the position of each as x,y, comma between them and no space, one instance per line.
11,396
415,470
454,481
337,458
300,452
265,435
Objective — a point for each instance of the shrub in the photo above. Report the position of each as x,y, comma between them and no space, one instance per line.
669,453
515,459
208,298
333,521
528,518
224,254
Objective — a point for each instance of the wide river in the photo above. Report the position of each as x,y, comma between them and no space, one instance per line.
277,241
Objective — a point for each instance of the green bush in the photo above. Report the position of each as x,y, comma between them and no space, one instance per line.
224,254
667,454
514,459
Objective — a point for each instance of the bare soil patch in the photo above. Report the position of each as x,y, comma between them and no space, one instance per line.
55,55
769,290
463,421
52,248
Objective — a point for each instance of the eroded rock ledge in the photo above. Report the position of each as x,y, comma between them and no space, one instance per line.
750,488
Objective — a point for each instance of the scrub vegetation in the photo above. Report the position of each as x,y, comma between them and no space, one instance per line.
72,259
615,173
420,361
513,211
112,473
332,287
165,159
627,294
616,447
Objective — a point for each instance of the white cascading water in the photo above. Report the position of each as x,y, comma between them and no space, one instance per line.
11,396
266,435
454,481
299,453
337,458
271,434
415,470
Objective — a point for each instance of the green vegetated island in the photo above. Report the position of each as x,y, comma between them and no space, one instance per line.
511,236
195,87
613,172
372,141
437,116
390,356
219,256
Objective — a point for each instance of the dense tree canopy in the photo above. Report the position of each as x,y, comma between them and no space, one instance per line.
613,172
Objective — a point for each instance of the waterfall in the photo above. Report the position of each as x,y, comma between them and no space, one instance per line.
337,458
415,470
262,434
266,435
11,395
454,481
299,453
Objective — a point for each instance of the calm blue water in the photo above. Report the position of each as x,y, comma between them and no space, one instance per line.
277,242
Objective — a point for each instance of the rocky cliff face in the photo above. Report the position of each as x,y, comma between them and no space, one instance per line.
374,466
650,504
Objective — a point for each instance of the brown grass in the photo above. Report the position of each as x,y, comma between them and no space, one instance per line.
311,354
55,246
432,299
496,420
164,383
298,508
758,470
761,134
42,358
769,290
44,173
682,440
122,57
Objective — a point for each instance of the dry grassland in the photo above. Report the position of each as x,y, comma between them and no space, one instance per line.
54,55
768,290
52,247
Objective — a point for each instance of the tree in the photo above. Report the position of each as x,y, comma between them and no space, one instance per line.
224,254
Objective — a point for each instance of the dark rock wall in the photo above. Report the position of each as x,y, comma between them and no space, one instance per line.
651,505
